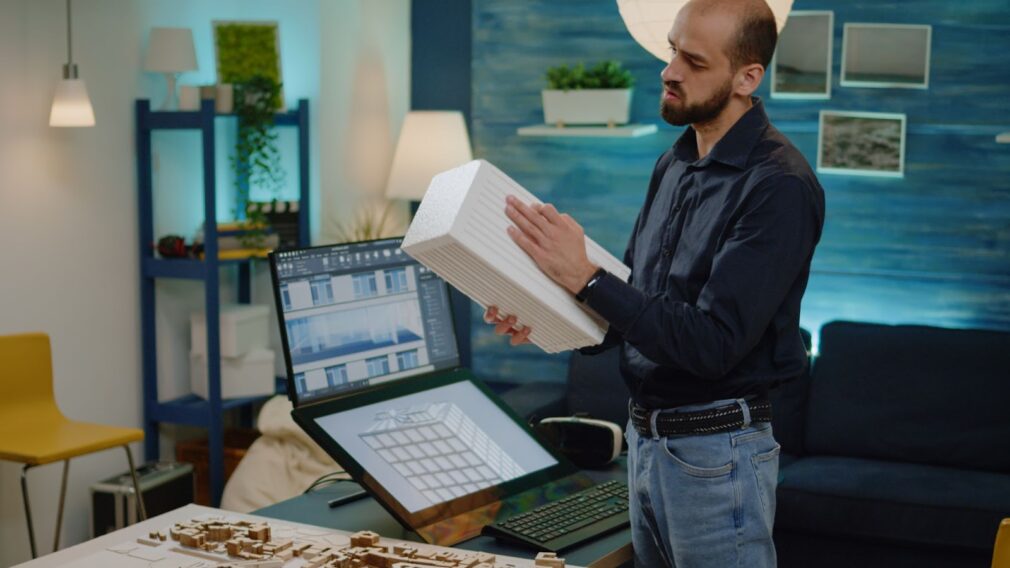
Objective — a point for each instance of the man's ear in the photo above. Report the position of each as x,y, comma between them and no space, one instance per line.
748,79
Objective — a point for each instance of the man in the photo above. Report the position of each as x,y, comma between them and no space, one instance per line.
709,322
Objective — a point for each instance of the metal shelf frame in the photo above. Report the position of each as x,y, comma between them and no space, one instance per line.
190,409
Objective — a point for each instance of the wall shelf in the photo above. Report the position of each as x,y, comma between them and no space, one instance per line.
623,131
191,409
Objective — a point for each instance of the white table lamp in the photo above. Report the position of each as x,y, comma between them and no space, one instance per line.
170,51
430,142
649,21
71,104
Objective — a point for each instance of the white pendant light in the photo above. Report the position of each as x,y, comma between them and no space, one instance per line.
71,105
649,21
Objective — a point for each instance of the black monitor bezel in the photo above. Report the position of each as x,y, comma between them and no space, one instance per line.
306,418
292,392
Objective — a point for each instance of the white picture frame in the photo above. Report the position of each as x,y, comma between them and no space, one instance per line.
886,56
861,143
801,66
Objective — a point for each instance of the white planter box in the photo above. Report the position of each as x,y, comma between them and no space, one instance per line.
244,327
249,375
587,106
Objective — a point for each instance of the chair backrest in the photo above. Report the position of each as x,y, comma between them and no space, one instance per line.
1001,552
26,375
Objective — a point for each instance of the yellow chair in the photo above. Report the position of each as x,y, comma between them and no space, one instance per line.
34,432
1001,552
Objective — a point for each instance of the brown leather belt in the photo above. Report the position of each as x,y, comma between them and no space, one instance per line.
709,421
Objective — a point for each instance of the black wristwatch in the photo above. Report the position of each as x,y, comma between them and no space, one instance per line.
583,294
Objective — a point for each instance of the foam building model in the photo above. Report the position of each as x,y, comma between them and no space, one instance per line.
459,232
249,544
182,539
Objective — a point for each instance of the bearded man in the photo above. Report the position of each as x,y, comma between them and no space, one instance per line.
709,320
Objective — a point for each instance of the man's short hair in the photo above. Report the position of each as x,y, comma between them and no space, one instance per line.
756,35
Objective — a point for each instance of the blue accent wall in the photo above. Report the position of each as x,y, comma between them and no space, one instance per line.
440,55
931,248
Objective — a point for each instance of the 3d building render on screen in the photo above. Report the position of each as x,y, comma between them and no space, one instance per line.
354,328
439,450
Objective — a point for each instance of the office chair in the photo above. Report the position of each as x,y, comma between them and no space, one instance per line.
1001,552
34,432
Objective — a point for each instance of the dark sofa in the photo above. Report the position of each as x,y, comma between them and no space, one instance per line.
896,445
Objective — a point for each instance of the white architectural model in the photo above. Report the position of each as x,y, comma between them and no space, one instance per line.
439,450
459,232
201,537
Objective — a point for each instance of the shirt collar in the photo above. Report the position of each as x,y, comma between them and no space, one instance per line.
734,148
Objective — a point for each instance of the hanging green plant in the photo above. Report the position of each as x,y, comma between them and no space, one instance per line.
257,159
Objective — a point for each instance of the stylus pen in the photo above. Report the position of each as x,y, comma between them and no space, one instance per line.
349,498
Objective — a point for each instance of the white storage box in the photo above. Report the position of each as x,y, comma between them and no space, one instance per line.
249,375
244,327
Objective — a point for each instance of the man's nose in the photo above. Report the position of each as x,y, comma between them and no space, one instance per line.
672,71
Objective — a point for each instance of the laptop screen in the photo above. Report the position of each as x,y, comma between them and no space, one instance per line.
359,314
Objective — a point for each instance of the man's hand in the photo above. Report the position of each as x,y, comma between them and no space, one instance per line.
555,242
506,326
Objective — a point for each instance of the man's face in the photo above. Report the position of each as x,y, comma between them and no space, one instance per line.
698,80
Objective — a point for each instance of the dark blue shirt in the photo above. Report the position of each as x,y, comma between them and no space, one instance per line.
720,257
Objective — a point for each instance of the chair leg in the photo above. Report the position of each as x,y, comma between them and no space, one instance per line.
136,485
28,508
63,499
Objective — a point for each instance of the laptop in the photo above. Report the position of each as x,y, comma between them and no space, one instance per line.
374,378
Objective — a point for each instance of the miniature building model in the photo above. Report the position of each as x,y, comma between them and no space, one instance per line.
440,451
459,232
250,544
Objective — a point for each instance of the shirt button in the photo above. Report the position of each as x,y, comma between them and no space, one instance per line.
667,252
677,208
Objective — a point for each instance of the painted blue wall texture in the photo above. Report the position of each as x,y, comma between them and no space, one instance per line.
931,248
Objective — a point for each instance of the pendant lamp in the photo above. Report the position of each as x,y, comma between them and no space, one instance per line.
649,21
71,105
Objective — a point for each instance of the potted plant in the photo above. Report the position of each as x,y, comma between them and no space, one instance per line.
257,159
598,95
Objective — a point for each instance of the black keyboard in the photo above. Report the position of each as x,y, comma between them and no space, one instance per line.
567,522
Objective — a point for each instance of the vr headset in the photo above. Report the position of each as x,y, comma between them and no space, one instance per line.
588,442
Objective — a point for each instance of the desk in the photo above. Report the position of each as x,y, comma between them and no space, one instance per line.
606,552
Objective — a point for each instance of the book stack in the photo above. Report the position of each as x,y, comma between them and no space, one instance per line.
282,216
240,240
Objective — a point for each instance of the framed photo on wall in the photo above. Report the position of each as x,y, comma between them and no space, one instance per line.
801,67
886,55
861,143
243,50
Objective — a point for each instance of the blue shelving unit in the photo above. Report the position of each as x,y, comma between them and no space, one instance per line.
190,409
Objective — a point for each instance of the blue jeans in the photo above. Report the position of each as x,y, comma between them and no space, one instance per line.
703,501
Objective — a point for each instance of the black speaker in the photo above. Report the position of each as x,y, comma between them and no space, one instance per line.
589,443
166,486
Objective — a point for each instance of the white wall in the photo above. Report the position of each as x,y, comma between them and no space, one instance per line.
68,223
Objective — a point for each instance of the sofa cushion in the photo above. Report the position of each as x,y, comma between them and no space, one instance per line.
902,503
911,394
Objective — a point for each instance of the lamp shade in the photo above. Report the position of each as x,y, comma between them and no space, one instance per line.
71,105
170,50
649,21
430,143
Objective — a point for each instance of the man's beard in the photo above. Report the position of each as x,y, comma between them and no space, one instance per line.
698,113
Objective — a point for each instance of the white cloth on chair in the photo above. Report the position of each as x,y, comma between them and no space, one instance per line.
280,464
